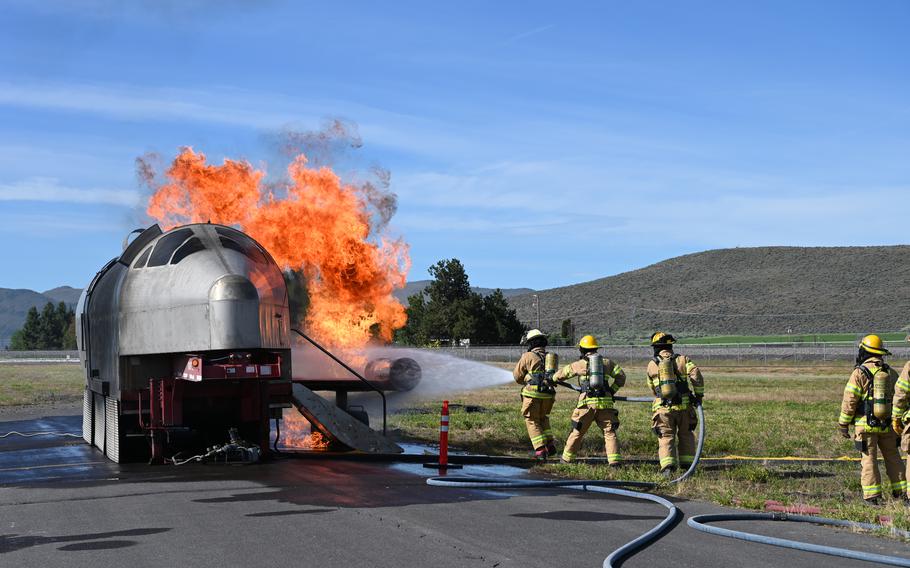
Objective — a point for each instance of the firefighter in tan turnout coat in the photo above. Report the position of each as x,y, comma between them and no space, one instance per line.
867,404
900,420
538,393
678,388
595,403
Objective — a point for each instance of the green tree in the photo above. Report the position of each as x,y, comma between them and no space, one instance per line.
568,330
450,301
17,341
69,336
448,310
450,282
52,328
414,333
47,327
27,337
499,324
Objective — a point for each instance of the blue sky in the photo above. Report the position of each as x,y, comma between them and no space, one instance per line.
541,144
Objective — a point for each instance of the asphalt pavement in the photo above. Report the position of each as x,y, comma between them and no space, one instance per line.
63,504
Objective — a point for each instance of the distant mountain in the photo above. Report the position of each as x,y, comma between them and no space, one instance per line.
66,294
14,305
418,285
741,291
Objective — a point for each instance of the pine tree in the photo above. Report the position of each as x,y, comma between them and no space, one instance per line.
69,336
50,332
27,336
53,328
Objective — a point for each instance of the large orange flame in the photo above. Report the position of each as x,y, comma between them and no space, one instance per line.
314,222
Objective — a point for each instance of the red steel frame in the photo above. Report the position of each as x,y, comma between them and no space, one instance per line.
256,386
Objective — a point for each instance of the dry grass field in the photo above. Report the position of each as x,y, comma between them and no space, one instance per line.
755,412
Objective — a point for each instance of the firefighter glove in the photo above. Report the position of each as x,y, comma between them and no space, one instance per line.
897,425
843,431
695,400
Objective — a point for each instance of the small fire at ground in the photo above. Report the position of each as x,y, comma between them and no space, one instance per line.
297,433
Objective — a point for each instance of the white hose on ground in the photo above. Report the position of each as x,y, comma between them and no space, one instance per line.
33,434
597,486
698,523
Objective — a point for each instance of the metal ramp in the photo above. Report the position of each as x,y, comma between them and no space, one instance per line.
339,425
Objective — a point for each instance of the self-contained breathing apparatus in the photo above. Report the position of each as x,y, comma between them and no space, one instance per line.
594,385
671,386
877,400
542,379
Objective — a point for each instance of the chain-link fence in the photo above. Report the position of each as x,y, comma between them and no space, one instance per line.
50,356
704,355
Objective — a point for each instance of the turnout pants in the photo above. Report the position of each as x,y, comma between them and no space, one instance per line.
870,478
536,412
675,431
606,419
905,445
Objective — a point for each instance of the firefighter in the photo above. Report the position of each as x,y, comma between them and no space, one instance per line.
678,388
538,393
867,402
900,420
595,401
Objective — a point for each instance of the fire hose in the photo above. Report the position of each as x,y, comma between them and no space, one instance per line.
33,434
610,487
698,522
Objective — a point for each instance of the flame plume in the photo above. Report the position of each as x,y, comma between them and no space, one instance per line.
313,221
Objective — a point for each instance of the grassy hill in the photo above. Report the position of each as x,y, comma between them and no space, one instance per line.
416,286
742,291
14,304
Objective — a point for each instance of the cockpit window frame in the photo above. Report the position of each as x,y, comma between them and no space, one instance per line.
189,247
167,245
238,241
143,258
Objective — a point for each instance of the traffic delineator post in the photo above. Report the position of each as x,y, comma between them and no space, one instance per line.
443,462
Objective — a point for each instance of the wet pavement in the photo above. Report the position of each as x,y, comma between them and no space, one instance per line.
63,504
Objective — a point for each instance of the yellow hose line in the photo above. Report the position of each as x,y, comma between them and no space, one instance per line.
785,458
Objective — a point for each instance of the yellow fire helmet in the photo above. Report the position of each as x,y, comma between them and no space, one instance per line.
874,344
661,338
531,334
588,342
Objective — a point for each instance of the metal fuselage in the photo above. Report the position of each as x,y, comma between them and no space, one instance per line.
199,291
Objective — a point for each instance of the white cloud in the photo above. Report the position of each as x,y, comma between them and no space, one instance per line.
529,33
50,190
146,104
56,225
237,107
